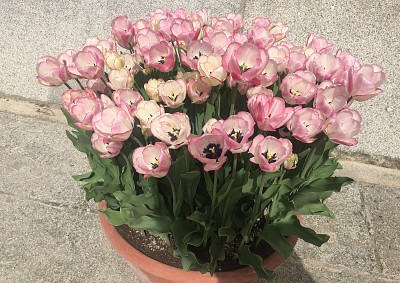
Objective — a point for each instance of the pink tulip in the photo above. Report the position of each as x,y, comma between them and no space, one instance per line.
269,152
318,43
146,111
89,62
198,91
237,20
120,79
103,45
83,110
244,62
259,90
210,149
71,95
209,125
365,83
98,86
280,55
261,22
194,50
67,58
305,124
127,98
173,129
51,72
152,160
184,30
161,56
106,101
113,122
219,40
260,36
299,87
331,100
325,66
105,146
268,76
269,112
239,128
145,39
343,127
211,70
123,32
296,62
173,92
351,65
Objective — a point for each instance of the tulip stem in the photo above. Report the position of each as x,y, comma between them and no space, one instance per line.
214,192
233,101
135,139
79,83
173,195
235,160
105,83
185,154
68,86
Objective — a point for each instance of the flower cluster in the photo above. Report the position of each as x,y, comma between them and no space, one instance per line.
184,86
316,91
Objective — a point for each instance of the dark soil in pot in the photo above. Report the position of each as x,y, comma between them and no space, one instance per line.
157,249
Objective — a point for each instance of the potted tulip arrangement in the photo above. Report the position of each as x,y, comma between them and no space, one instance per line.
212,139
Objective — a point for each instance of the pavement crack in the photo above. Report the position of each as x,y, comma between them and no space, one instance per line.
371,231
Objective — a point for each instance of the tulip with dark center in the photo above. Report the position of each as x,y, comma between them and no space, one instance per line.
271,158
236,135
212,151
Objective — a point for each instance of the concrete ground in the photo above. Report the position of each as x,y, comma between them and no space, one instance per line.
50,234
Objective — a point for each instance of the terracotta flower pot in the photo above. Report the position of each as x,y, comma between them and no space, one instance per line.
151,271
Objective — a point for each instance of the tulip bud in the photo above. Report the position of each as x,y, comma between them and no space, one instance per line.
151,87
113,60
291,162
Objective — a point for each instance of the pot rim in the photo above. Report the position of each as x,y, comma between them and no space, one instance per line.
151,266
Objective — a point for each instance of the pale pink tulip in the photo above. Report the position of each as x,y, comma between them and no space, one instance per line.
261,22
278,30
146,111
106,101
269,112
173,129
71,95
194,50
210,149
244,62
114,60
173,92
269,152
120,79
67,58
299,87
331,99
209,125
211,70
219,40
105,146
280,55
113,122
305,124
268,76
51,72
260,36
239,128
365,83
145,39
318,43
161,56
343,127
151,88
103,45
259,90
296,62
127,98
152,160
89,62
83,110
198,91
123,32
184,30
98,86
324,66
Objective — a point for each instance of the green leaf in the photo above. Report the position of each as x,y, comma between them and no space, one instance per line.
189,183
83,177
189,260
158,224
246,257
314,209
291,226
114,217
217,252
272,235
227,232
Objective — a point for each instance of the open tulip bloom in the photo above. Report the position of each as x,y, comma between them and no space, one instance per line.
224,135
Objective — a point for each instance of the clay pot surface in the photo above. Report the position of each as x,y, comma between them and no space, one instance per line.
149,270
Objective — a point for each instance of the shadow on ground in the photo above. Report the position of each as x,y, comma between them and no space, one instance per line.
293,271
